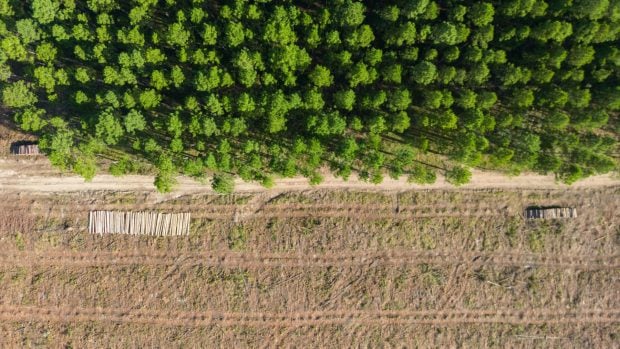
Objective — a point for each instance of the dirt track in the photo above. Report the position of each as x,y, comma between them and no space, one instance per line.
26,176
292,260
309,318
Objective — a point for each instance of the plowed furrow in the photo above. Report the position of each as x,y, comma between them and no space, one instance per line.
359,211
343,259
307,318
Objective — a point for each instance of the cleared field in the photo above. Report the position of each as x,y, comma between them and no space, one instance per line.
339,269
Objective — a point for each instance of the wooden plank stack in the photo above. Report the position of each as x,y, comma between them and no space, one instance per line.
25,149
138,223
550,213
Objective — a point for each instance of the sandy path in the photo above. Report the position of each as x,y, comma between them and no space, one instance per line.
15,176
308,318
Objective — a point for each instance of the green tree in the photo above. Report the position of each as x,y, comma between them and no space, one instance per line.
165,179
177,35
350,13
31,119
359,75
234,34
481,14
18,95
345,99
458,175
150,99
44,11
109,128
134,121
223,183
592,9
321,76
424,73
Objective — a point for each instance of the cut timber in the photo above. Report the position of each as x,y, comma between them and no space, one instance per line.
25,148
138,223
550,212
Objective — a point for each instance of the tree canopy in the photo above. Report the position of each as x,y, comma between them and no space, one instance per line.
259,89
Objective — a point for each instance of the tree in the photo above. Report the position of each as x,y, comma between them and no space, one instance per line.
276,112
405,34
177,76
393,73
223,183
466,99
134,121
399,100
321,76
359,75
350,13
44,11
389,13
458,175
85,166
363,36
13,48
234,34
158,80
522,98
424,73
31,119
279,29
58,144
177,35
27,30
108,128
552,30
150,99
247,74
593,9
165,179
18,95
400,122
481,14
557,120
580,55
345,99
444,33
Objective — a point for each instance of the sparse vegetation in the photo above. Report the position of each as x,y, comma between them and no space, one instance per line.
311,252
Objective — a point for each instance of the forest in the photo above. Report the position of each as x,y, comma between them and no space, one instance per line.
218,89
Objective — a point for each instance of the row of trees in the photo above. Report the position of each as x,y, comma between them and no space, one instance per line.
264,88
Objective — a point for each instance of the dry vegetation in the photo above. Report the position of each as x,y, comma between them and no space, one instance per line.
337,268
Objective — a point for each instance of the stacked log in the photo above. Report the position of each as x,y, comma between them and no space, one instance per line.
550,213
25,149
138,223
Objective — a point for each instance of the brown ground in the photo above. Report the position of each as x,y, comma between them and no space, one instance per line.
362,266
339,268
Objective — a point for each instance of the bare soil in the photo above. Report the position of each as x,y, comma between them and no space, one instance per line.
419,268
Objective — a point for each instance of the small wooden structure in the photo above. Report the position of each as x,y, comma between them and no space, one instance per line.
25,148
550,212
138,223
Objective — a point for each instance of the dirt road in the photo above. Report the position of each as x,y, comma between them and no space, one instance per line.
36,177
225,259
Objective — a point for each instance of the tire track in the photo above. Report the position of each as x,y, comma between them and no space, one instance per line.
307,318
229,212
229,259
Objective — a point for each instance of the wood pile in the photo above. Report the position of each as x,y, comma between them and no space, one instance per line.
550,213
138,223
25,149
